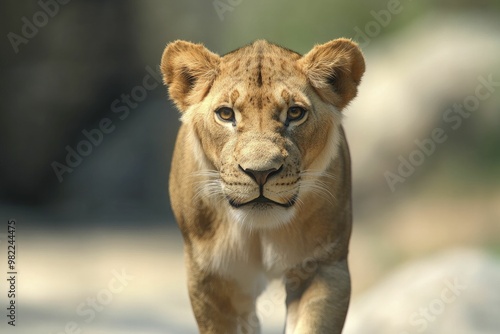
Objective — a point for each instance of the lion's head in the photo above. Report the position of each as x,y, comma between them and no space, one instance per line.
265,122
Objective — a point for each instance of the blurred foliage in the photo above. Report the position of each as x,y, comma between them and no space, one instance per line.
296,24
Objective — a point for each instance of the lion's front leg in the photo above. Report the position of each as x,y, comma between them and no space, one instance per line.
220,305
317,302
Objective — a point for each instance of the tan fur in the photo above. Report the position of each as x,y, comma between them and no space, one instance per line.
230,249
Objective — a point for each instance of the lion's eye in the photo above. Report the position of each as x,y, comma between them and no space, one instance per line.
226,114
294,114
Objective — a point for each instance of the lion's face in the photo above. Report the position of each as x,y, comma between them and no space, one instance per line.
264,121
263,142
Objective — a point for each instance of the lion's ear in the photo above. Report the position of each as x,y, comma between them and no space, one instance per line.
189,70
334,69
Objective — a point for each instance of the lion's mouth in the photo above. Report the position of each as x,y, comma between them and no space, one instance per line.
262,200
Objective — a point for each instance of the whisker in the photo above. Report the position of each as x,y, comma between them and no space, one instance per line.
318,188
205,173
207,184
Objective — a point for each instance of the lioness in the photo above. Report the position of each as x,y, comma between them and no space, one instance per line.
261,183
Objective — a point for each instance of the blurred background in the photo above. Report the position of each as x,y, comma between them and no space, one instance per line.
86,138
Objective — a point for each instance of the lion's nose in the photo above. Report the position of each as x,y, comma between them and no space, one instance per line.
261,176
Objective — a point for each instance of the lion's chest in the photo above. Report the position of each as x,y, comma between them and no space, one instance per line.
246,258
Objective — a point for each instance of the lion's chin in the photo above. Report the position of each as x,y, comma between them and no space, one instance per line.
262,215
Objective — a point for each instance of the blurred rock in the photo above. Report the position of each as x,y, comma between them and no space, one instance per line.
455,292
413,77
